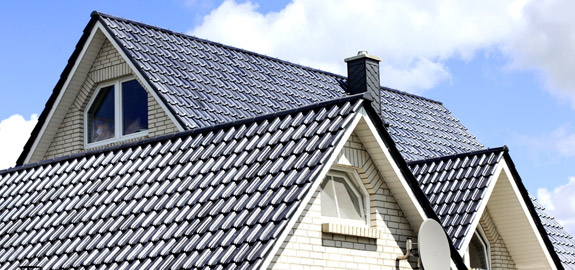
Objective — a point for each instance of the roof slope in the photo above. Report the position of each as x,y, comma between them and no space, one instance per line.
455,186
424,129
206,83
214,198
562,241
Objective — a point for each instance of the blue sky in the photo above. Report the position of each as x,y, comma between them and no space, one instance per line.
502,67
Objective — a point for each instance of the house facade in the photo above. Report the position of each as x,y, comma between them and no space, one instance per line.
159,150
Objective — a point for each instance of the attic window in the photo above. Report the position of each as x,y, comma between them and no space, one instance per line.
343,198
478,252
117,111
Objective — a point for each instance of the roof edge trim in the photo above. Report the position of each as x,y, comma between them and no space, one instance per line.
532,211
188,132
125,53
478,152
482,208
49,106
315,185
410,179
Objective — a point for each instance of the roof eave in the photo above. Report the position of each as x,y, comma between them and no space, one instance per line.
411,181
532,211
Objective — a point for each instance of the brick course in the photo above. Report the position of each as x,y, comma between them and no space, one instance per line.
500,257
307,247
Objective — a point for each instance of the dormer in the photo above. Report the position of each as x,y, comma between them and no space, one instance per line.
101,100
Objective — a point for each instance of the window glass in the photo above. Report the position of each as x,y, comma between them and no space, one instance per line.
477,253
341,199
348,201
101,116
328,206
134,108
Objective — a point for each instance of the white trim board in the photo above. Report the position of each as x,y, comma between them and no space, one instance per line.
95,48
68,92
142,79
368,134
481,209
513,221
315,185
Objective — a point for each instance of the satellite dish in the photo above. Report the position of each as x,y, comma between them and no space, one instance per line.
433,246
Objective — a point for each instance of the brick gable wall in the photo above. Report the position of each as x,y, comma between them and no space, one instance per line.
500,257
107,67
307,247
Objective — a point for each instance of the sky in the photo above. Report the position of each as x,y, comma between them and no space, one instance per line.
503,67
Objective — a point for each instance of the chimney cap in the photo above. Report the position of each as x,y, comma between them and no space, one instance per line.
363,54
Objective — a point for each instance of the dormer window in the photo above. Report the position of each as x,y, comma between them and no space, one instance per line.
344,198
117,111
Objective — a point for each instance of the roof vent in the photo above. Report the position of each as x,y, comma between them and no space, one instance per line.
363,77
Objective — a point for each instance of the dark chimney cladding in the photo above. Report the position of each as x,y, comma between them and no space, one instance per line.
363,76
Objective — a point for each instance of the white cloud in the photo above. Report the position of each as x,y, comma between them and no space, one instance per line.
413,38
560,141
14,132
544,41
560,203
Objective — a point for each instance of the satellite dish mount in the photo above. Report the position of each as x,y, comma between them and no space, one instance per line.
433,247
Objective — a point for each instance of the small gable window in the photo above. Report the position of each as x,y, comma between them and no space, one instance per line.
344,197
117,112
478,252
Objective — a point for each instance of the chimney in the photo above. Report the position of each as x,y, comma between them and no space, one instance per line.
363,76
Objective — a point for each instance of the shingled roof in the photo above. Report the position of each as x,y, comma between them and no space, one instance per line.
455,186
212,198
204,83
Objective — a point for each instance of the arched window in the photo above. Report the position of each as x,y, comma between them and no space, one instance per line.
117,111
478,253
344,197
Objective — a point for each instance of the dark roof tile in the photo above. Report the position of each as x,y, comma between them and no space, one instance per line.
454,188
137,210
205,83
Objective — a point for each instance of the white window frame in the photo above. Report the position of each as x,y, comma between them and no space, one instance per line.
118,113
480,233
354,179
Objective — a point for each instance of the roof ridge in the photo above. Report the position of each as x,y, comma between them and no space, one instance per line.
478,152
189,132
100,14
411,94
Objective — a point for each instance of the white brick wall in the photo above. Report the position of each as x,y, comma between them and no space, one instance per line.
500,257
108,66
308,248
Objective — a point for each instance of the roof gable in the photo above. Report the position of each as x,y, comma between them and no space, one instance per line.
201,83
69,90
388,161
217,197
455,187
462,187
